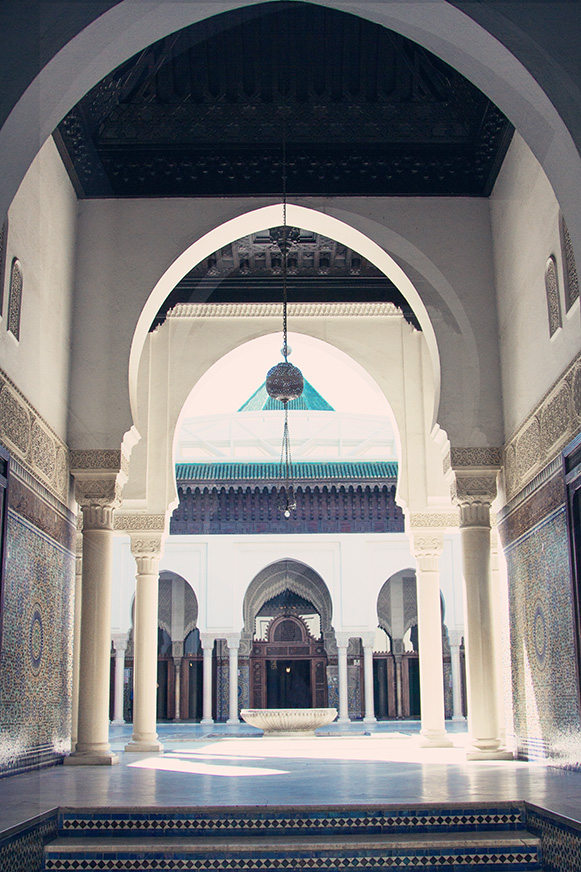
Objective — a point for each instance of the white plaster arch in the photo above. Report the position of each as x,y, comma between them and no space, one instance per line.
129,26
262,219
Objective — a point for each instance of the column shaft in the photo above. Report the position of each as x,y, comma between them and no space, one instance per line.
145,664
208,648
92,745
343,685
456,682
368,681
480,639
398,686
77,640
119,683
177,665
233,684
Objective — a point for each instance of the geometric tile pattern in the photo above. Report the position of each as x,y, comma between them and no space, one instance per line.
561,841
503,858
36,665
256,822
23,851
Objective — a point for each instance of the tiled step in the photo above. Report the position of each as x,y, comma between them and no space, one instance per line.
259,821
266,839
476,850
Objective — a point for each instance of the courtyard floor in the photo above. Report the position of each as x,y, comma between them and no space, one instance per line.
236,766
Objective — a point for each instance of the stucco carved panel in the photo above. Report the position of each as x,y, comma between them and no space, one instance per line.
555,417
130,522
32,442
43,451
15,421
545,432
528,448
475,457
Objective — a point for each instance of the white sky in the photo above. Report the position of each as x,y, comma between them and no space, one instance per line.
234,378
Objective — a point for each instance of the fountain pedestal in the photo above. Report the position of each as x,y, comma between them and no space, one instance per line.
289,722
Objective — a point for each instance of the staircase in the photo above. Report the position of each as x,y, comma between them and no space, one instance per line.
264,838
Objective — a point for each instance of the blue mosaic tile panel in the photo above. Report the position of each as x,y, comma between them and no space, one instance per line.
499,857
36,659
544,680
255,822
23,851
560,841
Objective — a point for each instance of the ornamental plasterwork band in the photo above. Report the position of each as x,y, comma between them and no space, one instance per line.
25,434
545,432
130,522
99,478
433,520
295,310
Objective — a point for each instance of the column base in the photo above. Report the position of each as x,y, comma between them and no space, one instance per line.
233,721
91,758
488,753
206,722
457,719
435,739
343,721
144,743
370,720
118,722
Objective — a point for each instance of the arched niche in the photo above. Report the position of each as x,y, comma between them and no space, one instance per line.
274,579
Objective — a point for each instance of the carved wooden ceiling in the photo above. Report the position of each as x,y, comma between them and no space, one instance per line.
204,111
319,270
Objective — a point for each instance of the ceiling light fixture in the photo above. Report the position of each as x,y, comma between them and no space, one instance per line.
284,382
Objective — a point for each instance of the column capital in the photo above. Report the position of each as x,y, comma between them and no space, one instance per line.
342,638
177,650
232,640
99,478
427,545
120,641
207,641
472,473
147,548
367,639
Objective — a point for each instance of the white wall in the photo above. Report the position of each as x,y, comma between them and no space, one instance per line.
125,246
220,568
525,226
42,227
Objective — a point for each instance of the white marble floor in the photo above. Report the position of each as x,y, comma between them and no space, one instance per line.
234,767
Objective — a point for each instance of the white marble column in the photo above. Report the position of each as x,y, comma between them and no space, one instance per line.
207,643
342,645
483,716
177,668
77,637
455,641
146,548
92,746
367,641
427,547
233,646
120,645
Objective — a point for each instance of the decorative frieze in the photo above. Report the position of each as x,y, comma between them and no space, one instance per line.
295,310
435,520
32,442
128,522
545,432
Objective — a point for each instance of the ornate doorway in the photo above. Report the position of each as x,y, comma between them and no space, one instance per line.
289,668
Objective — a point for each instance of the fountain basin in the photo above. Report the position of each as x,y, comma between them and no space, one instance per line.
289,722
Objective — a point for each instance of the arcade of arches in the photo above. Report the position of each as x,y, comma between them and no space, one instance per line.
434,183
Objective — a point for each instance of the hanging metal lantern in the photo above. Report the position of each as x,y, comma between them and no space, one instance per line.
284,382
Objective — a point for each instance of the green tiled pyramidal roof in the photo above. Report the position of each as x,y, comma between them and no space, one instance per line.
310,400
325,471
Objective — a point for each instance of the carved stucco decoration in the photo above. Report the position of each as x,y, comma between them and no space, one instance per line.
295,310
436,520
545,431
274,580
32,442
384,607
147,549
128,522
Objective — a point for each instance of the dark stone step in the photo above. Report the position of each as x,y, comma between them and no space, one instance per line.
263,821
291,852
